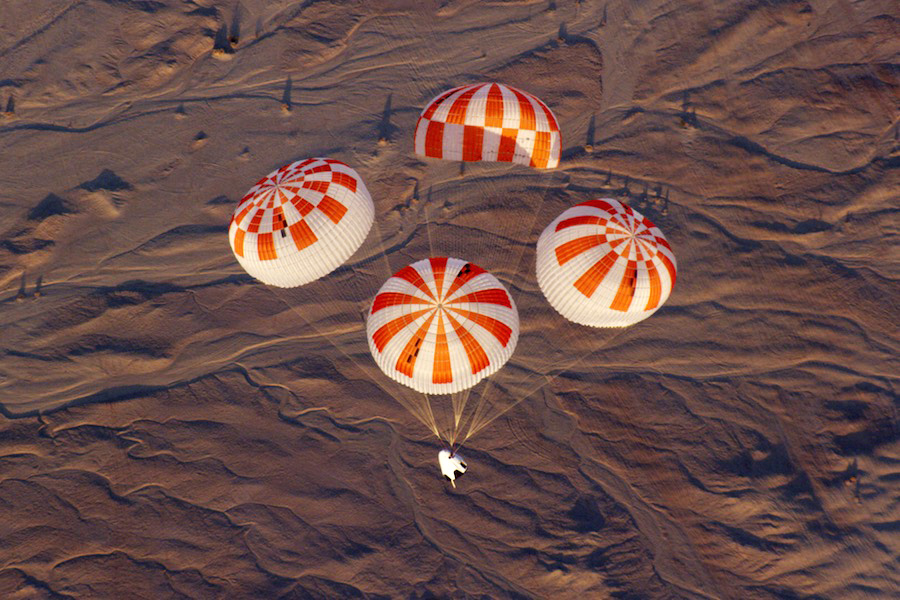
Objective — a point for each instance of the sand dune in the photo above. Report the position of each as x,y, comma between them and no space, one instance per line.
172,428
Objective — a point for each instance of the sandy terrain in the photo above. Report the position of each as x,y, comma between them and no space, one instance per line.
173,429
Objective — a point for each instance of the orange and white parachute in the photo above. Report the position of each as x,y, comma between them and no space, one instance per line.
603,264
301,222
441,325
492,122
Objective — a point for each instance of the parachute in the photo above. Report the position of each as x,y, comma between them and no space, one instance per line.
601,263
442,329
441,325
491,122
301,222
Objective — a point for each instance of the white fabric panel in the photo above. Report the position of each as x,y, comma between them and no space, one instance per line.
477,109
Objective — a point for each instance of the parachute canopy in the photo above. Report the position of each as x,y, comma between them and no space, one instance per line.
492,122
301,222
603,264
441,325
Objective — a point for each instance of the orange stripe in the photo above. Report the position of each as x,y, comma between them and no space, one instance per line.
478,358
264,182
492,296
333,209
317,169
662,242
618,242
625,294
668,265
265,246
438,266
386,332
278,219
239,242
615,225
601,204
318,186
526,111
240,216
253,227
507,149
465,274
499,329
302,235
473,142
584,220
457,114
434,139
638,250
441,371
655,287
407,359
303,207
299,166
433,106
414,277
348,181
540,155
493,110
590,279
385,299
249,196
569,250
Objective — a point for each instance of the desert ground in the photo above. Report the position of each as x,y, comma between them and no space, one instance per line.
173,428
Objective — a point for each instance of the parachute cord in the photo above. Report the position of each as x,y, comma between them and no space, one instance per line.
428,226
419,407
484,413
476,427
480,419
534,218
431,422
459,401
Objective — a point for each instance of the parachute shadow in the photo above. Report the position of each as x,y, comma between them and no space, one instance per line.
221,44
235,34
385,129
286,96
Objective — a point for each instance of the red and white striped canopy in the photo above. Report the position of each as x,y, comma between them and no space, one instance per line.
441,325
489,121
603,264
301,222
